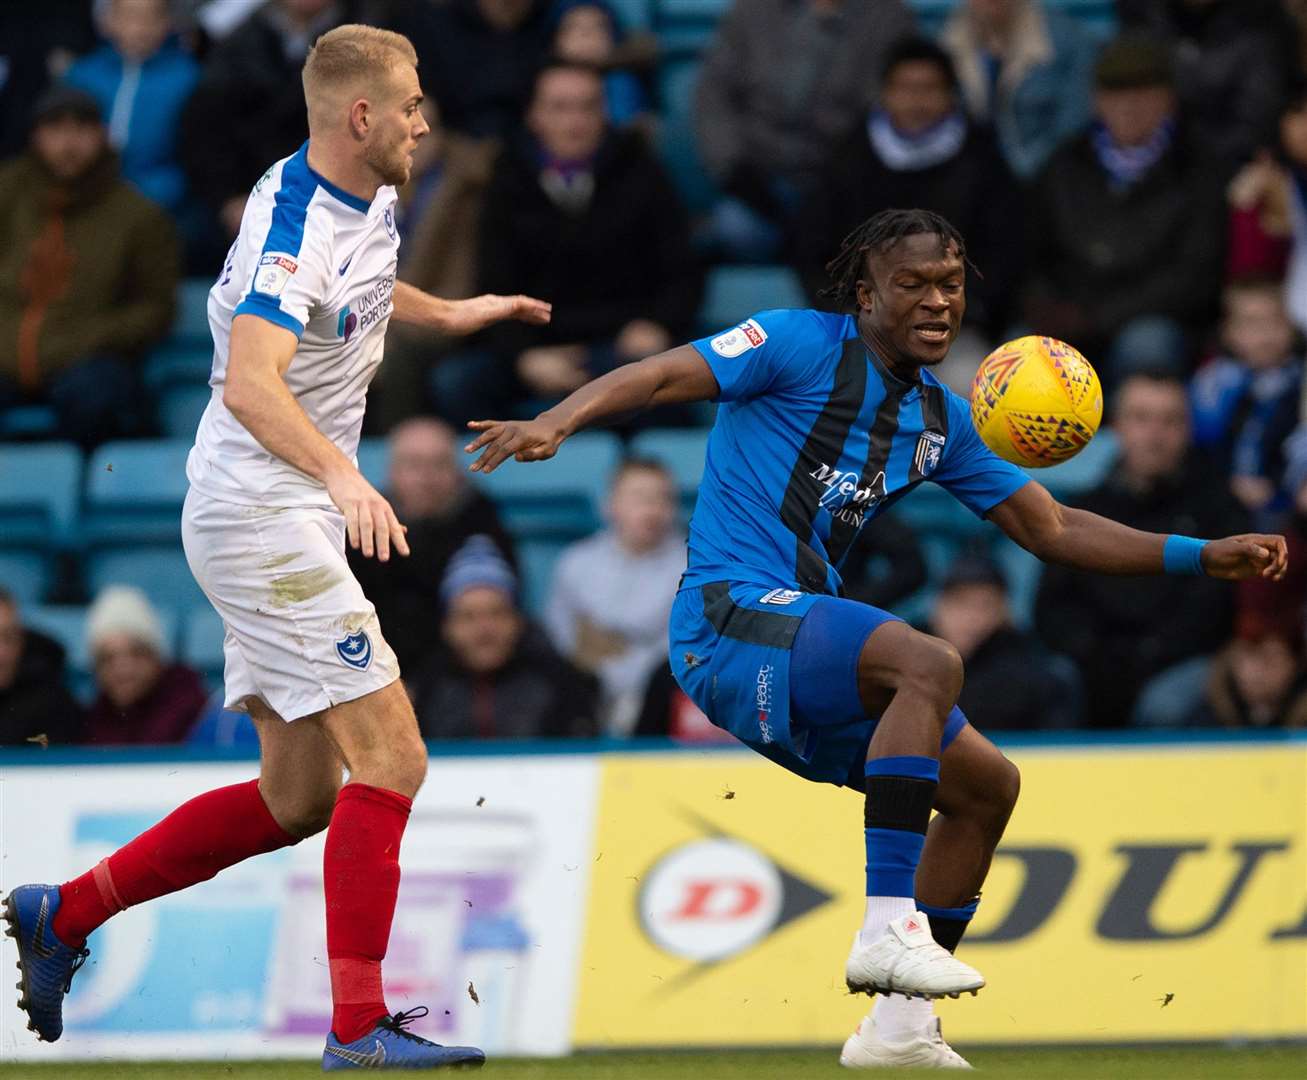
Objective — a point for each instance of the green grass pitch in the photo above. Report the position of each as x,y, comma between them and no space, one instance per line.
1188,1063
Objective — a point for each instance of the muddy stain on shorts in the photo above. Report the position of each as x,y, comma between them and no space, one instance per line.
280,560
303,585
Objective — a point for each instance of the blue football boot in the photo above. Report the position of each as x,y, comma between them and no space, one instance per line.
389,1046
46,965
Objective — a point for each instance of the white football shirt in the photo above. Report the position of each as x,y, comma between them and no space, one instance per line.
320,262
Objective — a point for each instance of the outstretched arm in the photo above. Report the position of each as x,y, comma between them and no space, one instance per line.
671,377
412,305
1086,541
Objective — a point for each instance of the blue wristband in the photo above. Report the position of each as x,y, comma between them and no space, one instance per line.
1183,555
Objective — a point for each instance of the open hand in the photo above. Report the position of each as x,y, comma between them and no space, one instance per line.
370,522
469,316
1249,555
525,440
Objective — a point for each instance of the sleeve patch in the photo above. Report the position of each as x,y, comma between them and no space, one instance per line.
274,271
748,335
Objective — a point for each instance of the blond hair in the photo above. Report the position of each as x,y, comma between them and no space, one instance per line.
349,57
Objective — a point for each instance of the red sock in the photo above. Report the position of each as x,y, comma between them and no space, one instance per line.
360,873
190,845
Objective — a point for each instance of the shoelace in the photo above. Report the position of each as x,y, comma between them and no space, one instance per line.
77,963
401,1020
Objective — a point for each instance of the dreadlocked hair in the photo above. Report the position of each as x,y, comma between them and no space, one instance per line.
876,235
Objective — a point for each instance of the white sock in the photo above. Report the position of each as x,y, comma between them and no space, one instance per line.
881,911
898,1017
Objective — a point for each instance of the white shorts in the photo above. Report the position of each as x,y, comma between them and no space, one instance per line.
300,634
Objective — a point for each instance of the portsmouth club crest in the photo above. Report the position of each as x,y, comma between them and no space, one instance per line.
930,445
356,650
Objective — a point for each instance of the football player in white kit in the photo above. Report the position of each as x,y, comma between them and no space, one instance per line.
298,316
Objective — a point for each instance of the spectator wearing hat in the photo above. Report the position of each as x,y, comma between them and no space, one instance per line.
428,486
1025,70
88,269
142,696
1013,682
1123,631
1126,224
35,707
612,592
142,78
494,674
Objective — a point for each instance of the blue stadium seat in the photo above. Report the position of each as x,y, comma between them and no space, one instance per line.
38,494
634,14
160,572
134,492
1084,471
26,575
536,560
559,498
374,461
192,320
174,363
686,26
28,422
676,142
682,451
1022,571
736,292
201,646
180,409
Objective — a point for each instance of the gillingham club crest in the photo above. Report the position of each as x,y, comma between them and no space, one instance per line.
356,650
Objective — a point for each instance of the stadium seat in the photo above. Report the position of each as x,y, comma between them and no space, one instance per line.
180,409
179,363
536,560
192,321
160,572
686,26
28,422
682,451
374,460
1084,471
676,142
201,645
634,14
559,498
134,492
736,292
26,575
38,494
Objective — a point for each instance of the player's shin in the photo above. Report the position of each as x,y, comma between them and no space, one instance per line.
361,881
210,832
900,792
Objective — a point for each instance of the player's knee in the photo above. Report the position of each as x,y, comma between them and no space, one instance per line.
1008,788
404,768
932,671
311,817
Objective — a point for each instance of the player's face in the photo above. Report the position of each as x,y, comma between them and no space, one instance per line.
398,126
915,299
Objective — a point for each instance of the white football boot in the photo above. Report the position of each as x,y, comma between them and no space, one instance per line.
907,960
866,1048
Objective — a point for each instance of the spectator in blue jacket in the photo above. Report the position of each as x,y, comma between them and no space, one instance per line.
1026,71
1245,401
142,79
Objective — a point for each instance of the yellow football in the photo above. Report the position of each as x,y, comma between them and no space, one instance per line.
1036,401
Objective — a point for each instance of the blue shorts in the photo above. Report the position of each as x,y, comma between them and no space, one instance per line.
778,669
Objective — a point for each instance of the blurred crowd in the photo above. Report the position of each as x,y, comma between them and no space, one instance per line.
1139,192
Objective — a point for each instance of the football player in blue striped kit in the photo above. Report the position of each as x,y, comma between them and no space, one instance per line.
824,422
